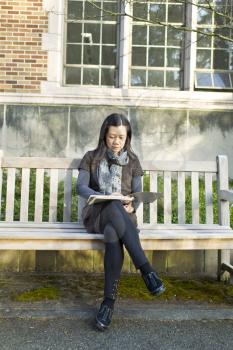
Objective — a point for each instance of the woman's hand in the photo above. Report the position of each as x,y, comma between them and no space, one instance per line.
128,207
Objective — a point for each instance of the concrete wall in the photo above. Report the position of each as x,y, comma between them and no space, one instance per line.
32,130
27,130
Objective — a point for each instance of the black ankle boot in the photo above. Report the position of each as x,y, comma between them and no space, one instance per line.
103,317
153,283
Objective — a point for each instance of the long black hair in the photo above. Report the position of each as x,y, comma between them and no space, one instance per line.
114,119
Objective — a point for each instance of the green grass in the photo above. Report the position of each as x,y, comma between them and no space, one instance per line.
89,287
178,290
39,294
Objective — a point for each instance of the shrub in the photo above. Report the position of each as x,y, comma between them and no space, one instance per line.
146,187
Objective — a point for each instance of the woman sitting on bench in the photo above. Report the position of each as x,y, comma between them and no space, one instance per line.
113,168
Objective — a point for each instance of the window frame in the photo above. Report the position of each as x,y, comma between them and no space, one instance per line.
54,42
82,65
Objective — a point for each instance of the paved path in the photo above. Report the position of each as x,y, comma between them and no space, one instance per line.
67,323
79,334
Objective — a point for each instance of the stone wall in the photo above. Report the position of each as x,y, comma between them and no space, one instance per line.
32,130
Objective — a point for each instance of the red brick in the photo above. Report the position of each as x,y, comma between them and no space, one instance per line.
17,60
11,73
7,7
32,26
6,25
13,21
24,22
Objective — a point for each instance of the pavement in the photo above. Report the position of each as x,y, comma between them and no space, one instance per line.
67,322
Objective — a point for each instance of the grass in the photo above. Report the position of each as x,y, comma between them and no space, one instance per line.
179,290
38,294
131,287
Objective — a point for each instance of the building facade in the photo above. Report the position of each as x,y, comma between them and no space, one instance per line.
168,65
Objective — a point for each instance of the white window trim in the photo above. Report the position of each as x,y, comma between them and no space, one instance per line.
54,90
190,46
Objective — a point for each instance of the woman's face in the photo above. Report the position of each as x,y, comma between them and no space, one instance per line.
116,137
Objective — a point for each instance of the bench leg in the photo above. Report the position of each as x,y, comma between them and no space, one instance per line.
224,266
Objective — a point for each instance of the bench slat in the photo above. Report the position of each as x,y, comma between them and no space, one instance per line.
73,163
63,225
77,234
181,197
195,197
39,195
1,180
209,198
167,197
24,194
10,194
188,166
40,163
140,209
147,244
82,241
53,195
153,188
67,196
144,234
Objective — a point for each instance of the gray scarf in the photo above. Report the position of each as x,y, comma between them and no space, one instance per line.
109,176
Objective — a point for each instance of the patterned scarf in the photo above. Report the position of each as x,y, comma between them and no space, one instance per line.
109,175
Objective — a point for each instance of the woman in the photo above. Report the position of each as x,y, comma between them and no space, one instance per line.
113,168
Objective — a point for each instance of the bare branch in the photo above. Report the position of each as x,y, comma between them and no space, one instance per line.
183,28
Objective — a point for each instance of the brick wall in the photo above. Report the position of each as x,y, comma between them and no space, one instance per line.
23,64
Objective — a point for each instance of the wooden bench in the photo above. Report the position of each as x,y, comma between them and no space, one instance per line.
23,228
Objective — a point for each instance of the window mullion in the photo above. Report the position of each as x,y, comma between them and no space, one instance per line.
124,52
190,45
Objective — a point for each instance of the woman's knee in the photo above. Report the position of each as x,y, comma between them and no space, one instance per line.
110,234
112,214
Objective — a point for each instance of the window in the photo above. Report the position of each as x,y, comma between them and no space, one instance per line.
92,46
214,63
91,39
159,53
157,48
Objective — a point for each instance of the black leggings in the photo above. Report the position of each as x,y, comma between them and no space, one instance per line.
118,230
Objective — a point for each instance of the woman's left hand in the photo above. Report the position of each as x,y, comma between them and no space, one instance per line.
128,207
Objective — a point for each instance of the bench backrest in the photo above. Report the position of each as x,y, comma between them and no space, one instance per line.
43,189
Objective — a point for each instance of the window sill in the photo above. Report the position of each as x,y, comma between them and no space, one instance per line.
131,97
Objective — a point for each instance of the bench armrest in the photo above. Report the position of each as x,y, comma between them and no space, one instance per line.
226,195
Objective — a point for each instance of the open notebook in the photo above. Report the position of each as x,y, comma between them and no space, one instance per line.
145,197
